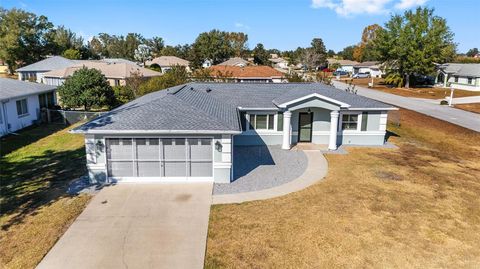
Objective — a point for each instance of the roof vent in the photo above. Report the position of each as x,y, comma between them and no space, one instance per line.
208,90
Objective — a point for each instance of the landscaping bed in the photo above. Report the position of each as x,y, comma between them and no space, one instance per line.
416,206
474,107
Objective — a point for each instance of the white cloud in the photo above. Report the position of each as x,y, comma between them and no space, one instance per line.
241,25
353,7
406,4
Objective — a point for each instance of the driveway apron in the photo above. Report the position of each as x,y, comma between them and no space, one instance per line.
138,226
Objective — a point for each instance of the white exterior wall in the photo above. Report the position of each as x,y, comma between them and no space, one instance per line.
462,83
53,81
347,68
11,122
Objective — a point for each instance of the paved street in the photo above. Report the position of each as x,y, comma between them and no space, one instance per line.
456,116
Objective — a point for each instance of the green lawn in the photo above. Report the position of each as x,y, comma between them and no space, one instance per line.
36,167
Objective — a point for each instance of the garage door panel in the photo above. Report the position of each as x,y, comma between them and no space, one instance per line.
120,168
120,149
148,169
148,148
175,168
201,169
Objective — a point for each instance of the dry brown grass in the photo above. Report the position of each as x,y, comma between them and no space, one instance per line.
414,207
36,167
427,93
475,107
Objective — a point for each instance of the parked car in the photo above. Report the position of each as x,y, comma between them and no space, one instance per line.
361,75
340,73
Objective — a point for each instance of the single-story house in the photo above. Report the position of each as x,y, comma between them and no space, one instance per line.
20,103
116,73
259,73
188,132
235,61
35,72
368,67
279,62
168,62
345,65
459,76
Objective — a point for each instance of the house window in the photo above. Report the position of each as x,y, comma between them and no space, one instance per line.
350,122
261,121
22,108
117,82
469,80
456,79
280,121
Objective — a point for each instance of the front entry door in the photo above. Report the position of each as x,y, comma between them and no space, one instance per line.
305,121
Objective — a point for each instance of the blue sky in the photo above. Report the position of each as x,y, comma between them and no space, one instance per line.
282,24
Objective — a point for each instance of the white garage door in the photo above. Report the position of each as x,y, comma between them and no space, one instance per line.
160,158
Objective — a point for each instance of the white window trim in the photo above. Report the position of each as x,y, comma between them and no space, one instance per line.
26,107
359,122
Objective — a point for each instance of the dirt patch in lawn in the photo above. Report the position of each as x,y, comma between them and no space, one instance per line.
427,92
36,167
416,206
474,107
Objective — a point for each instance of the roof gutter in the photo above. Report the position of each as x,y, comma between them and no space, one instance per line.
133,132
374,109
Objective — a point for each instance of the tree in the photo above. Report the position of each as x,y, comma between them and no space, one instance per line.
330,53
87,88
214,45
156,44
412,43
472,52
317,53
260,55
365,51
238,42
134,82
347,53
143,53
176,76
62,39
23,37
72,54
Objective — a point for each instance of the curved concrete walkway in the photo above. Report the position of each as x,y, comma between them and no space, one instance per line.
316,170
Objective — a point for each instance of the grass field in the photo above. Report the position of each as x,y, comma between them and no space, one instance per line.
36,167
427,93
414,207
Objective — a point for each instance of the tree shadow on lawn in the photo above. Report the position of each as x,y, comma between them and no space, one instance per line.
37,181
27,136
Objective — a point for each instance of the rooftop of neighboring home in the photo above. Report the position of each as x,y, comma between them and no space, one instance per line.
168,61
12,88
258,71
109,70
235,61
459,69
213,107
368,64
277,60
59,62
341,62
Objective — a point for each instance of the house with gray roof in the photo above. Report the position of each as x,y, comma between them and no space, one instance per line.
188,132
459,76
20,103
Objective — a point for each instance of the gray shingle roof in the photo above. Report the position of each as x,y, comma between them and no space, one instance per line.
12,88
51,63
467,70
212,106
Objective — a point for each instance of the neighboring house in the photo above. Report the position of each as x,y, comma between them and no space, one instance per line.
263,74
3,67
188,132
35,72
459,76
279,62
235,61
20,103
368,67
207,63
168,62
345,65
116,73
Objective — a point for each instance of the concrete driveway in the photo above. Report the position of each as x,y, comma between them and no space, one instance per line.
459,117
138,226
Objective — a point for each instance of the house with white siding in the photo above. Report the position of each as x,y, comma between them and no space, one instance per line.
20,103
459,76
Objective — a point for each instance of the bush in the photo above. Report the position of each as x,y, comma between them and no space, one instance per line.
444,102
176,76
155,67
394,79
123,94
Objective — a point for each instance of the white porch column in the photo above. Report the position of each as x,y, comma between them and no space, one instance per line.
332,145
287,115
